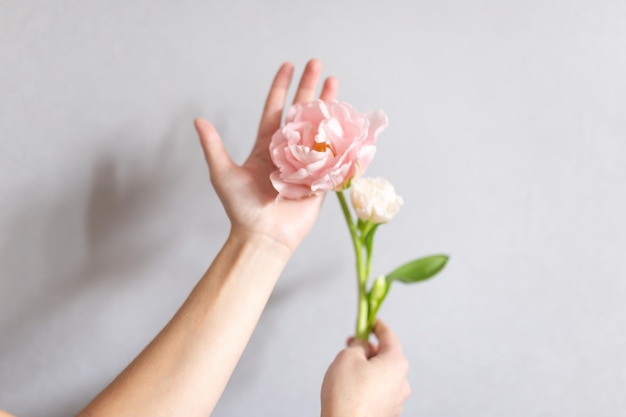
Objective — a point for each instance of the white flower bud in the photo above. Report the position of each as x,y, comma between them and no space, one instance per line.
375,199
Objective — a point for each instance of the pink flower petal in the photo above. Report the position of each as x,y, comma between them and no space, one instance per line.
322,146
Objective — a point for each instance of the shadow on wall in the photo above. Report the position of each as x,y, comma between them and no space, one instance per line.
92,233
97,233
96,230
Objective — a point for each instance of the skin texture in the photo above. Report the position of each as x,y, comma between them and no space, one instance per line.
185,369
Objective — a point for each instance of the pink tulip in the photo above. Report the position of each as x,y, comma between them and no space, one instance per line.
321,147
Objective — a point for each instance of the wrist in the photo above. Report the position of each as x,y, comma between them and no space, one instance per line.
264,243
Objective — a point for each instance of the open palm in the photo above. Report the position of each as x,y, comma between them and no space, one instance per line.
246,191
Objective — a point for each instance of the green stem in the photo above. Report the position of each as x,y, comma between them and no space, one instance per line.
368,264
353,232
367,237
362,328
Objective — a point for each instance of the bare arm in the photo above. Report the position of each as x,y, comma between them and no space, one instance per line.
185,368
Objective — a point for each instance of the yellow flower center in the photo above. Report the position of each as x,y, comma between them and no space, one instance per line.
322,147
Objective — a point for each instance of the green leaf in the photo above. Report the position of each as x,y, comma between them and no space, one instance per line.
419,269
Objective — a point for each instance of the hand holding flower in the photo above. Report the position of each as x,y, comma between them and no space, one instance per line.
367,380
246,191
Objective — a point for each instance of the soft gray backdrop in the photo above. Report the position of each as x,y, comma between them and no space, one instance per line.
507,139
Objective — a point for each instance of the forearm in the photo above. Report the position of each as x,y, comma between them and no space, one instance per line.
186,367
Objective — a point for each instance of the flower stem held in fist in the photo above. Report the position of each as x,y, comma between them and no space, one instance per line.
367,380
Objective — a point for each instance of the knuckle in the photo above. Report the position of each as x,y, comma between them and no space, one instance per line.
341,355
344,355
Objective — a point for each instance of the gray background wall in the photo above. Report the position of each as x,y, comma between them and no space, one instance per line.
507,139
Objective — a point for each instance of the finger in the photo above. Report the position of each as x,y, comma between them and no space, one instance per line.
388,341
329,90
361,345
374,348
216,156
275,102
308,82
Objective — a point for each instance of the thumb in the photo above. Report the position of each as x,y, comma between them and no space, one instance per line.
388,341
214,152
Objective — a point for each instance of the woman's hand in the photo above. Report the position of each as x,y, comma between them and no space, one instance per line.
366,380
246,191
